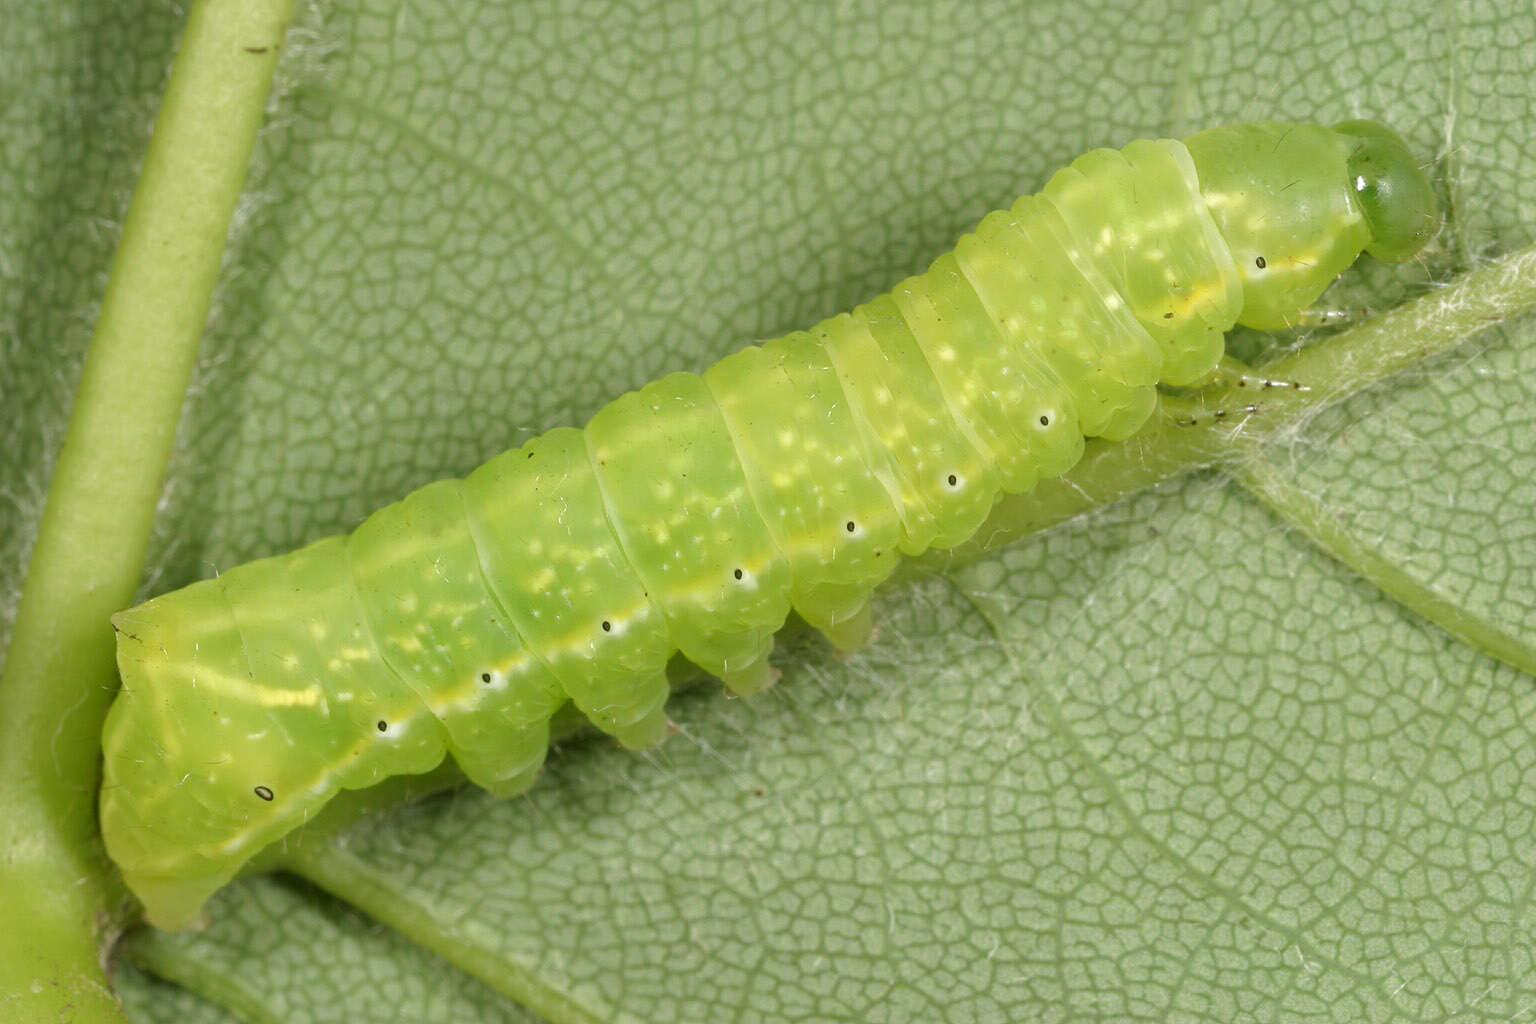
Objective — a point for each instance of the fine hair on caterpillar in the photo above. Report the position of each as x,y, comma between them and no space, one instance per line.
695,513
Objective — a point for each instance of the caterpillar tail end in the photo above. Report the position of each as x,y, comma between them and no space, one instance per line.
151,750
207,760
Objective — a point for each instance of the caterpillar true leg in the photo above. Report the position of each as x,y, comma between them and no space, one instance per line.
1234,373
1183,417
1230,375
1323,316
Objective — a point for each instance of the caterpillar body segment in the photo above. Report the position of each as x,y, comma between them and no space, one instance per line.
553,562
695,513
808,475
1137,214
677,498
1290,228
440,629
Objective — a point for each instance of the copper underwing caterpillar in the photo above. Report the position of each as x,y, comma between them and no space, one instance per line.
694,513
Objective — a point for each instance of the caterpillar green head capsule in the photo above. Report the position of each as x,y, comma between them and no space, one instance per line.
1297,204
1393,191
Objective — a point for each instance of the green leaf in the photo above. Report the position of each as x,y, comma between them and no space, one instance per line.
57,891
1166,761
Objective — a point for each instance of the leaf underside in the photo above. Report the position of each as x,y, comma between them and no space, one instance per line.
1167,761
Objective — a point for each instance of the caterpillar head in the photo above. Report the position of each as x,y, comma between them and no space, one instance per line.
1297,204
1393,192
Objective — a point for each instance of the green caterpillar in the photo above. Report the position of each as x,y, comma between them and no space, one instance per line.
693,514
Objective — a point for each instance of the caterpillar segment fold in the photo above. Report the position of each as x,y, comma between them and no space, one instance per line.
693,514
